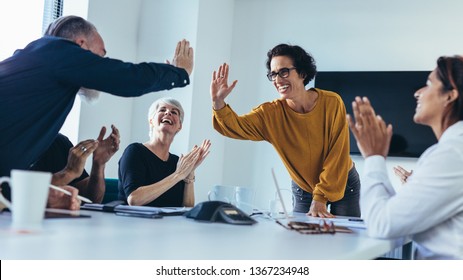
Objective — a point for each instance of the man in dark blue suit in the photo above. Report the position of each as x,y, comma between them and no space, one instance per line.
39,83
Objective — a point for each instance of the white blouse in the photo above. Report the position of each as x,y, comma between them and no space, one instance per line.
429,207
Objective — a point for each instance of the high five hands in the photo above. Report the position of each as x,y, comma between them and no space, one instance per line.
371,132
219,86
183,56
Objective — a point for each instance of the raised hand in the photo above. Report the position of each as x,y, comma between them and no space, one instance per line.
372,135
219,86
106,147
183,56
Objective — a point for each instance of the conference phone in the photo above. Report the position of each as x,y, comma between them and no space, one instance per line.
218,211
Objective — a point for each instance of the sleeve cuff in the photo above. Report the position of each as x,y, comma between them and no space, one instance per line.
222,112
375,164
320,198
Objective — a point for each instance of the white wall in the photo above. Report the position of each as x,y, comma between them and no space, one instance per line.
213,47
161,25
342,35
117,22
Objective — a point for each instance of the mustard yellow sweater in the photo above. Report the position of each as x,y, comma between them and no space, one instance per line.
314,146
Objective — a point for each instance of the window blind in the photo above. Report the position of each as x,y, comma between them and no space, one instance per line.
52,10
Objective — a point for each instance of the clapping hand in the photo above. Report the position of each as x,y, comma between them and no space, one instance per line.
402,173
203,152
371,132
106,147
77,157
188,163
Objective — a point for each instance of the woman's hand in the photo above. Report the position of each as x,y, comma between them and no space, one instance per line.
187,164
372,135
203,152
402,173
219,87
318,209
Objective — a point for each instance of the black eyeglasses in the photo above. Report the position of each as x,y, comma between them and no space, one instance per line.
283,73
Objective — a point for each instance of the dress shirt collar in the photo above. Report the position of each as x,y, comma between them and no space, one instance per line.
452,131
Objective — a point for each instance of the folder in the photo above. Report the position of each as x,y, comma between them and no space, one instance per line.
120,206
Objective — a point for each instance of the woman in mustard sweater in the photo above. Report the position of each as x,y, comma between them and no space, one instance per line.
308,129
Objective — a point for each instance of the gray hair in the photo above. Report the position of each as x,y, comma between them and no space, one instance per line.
166,100
70,27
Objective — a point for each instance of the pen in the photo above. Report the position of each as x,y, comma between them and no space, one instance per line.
84,199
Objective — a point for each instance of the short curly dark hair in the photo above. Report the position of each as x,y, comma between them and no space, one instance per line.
302,60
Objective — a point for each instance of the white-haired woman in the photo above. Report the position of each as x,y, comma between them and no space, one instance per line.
149,174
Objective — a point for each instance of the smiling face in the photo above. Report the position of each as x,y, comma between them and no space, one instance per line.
290,86
166,119
431,102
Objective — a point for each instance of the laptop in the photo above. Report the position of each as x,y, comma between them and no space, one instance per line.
307,225
280,197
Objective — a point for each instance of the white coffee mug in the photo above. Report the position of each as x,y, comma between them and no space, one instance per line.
275,209
29,194
244,198
221,193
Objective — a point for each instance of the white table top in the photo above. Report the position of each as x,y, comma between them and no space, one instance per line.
107,236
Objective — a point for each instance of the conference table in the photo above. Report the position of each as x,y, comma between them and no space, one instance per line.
111,237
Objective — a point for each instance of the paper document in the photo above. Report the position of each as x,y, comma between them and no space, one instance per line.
351,222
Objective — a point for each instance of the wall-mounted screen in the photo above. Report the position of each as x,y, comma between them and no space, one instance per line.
391,94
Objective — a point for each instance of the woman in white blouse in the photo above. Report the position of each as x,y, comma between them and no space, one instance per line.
429,206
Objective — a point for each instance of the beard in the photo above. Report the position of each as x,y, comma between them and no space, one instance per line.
89,96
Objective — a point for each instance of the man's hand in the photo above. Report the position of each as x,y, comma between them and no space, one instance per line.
76,162
106,147
57,199
183,56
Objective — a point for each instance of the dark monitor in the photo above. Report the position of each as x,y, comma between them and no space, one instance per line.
391,94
